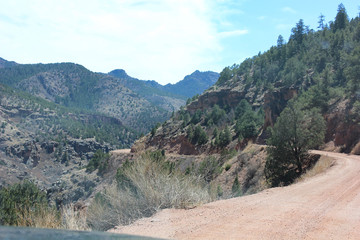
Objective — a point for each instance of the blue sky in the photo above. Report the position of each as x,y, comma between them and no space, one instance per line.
162,40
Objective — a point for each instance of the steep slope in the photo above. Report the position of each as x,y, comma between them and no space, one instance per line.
319,69
51,144
157,96
195,83
5,64
320,208
191,85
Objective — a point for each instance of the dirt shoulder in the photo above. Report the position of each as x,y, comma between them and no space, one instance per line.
323,207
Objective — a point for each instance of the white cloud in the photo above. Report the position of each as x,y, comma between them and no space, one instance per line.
288,10
155,39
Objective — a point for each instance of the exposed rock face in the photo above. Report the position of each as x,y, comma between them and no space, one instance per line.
275,102
28,152
342,126
54,165
223,97
85,146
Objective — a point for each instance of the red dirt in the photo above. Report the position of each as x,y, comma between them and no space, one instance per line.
326,206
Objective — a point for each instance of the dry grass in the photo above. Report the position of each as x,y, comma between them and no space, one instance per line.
72,219
321,166
356,149
40,217
46,217
153,187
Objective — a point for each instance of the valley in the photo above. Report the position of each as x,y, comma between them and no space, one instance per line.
213,155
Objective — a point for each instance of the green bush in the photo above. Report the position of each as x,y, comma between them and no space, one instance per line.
236,187
227,167
18,199
99,161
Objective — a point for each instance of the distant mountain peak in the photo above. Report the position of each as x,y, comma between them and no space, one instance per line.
4,63
120,73
195,83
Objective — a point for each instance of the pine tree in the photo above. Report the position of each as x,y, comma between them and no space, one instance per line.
341,19
321,22
294,133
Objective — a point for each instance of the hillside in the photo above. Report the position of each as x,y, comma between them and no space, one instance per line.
317,68
157,96
193,84
74,86
51,144
4,63
55,117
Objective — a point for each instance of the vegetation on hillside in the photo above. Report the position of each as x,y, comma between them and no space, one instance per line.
56,122
295,132
24,204
319,69
144,186
73,86
326,58
220,124
18,199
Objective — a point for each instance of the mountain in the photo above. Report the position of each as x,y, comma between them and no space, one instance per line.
51,144
157,96
5,64
72,85
55,117
318,70
191,85
195,83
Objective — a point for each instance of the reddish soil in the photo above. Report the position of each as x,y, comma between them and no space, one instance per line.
326,206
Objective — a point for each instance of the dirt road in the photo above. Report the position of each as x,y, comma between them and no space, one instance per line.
326,206
120,151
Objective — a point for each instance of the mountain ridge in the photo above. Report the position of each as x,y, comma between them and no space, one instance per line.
192,84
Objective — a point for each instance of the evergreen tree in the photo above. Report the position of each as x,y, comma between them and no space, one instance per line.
298,32
341,19
280,41
321,22
224,137
294,133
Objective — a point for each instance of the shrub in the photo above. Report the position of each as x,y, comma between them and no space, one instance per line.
224,138
20,201
197,135
154,129
214,116
236,188
227,167
209,168
100,161
196,118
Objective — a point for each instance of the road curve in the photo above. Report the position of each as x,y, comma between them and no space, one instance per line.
326,206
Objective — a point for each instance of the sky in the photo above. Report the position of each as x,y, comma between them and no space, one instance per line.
162,40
